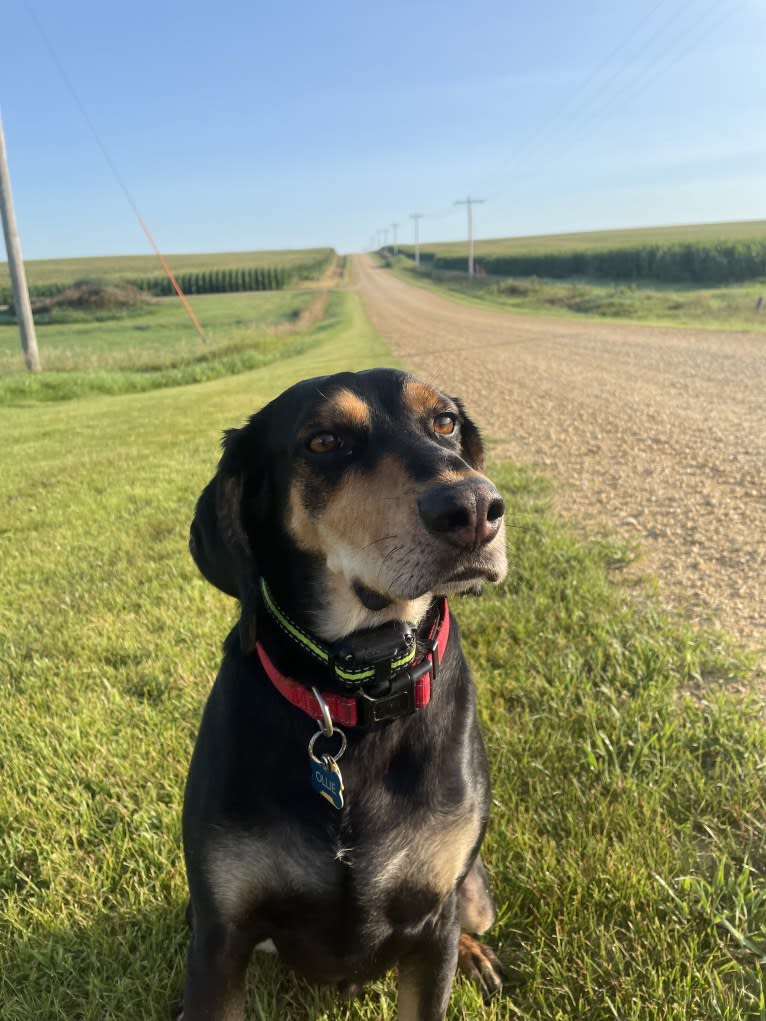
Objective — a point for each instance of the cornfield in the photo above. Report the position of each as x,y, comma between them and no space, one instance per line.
703,262
220,280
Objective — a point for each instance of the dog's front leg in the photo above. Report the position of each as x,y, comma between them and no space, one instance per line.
215,973
427,974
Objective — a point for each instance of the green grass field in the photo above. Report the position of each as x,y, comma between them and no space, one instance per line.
627,840
158,335
120,267
157,346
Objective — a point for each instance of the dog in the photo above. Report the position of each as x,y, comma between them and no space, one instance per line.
338,791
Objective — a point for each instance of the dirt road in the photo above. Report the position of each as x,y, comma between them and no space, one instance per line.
655,432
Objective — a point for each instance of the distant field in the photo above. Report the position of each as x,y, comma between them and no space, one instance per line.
111,267
706,254
743,230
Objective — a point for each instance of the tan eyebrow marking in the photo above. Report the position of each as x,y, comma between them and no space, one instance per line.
421,398
350,408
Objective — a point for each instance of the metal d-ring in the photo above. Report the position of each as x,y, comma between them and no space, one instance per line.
338,754
327,729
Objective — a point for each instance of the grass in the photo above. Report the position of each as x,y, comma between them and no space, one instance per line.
118,267
155,334
626,845
627,832
157,345
731,307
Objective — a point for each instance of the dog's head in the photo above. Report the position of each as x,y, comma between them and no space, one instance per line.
359,496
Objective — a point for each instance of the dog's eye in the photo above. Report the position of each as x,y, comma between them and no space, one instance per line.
444,425
324,443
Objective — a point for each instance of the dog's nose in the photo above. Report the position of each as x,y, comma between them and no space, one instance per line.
465,514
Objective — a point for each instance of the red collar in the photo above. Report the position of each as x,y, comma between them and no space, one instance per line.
408,690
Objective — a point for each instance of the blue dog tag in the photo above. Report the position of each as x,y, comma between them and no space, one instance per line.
327,781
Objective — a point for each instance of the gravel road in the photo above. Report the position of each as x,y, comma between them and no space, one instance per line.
655,432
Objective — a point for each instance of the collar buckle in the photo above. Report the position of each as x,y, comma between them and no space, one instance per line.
432,658
399,699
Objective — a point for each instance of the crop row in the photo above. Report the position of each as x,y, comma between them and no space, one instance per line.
219,281
719,262
209,281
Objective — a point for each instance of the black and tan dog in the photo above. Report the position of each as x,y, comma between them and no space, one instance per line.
338,792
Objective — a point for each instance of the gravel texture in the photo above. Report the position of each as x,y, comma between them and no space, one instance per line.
657,433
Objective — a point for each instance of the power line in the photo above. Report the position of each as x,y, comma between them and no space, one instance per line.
541,137
542,134
631,81
655,69
635,87
115,170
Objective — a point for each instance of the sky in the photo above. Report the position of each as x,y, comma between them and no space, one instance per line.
253,125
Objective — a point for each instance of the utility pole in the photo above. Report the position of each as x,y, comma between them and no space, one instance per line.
395,228
469,203
16,265
416,217
385,236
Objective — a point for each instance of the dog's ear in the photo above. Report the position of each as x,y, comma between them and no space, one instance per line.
471,445
218,540
206,544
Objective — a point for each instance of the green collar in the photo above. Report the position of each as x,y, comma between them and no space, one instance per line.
335,657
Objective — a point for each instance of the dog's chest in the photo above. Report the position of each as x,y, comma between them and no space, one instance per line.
422,852
415,862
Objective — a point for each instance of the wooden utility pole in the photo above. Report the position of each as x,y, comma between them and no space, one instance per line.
16,265
469,204
417,217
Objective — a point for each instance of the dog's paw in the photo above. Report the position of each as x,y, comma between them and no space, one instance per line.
480,965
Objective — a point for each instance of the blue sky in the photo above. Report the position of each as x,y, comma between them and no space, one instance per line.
254,125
